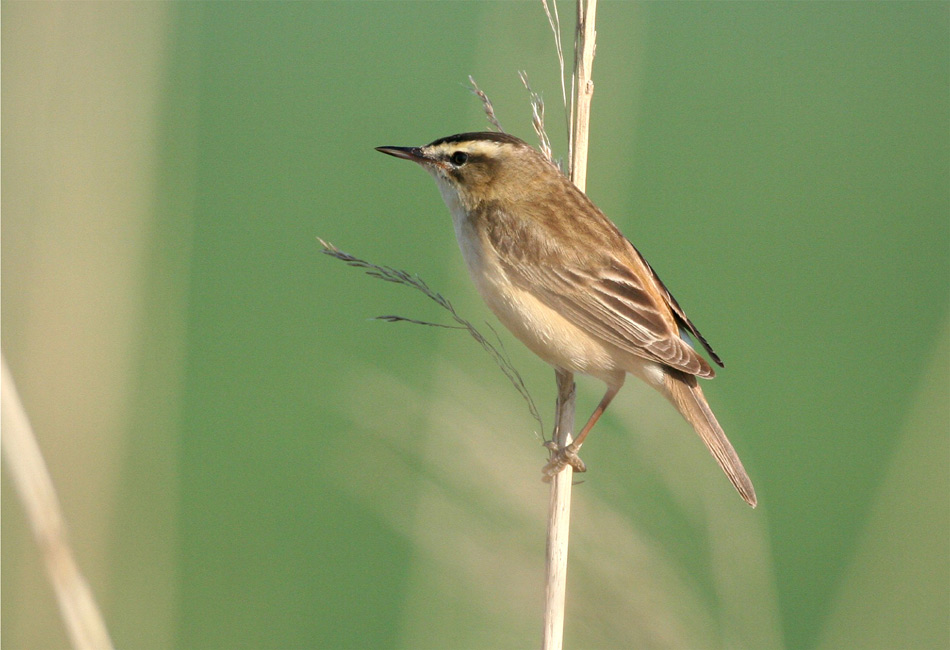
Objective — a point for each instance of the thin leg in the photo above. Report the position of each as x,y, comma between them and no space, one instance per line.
604,403
567,455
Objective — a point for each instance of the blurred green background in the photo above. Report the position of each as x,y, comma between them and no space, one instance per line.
246,461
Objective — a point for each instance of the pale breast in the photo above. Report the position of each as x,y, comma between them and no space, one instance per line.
546,333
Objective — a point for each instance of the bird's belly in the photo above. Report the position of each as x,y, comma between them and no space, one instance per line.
546,332
550,335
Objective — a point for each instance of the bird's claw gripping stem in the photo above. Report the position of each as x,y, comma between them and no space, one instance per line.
560,458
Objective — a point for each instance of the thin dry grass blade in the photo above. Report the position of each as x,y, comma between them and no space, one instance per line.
397,276
486,104
537,117
555,22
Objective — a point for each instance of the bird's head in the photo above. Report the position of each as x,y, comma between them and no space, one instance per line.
479,167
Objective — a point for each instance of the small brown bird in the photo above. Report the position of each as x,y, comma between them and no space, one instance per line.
565,281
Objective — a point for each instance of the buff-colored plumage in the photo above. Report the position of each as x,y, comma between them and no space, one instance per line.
566,282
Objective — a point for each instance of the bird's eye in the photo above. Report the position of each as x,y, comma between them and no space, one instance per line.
459,158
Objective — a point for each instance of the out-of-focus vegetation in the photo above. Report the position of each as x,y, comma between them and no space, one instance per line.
246,461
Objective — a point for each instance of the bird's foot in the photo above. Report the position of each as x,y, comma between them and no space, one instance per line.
560,458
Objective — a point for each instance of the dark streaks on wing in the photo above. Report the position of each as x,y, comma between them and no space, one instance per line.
605,299
681,316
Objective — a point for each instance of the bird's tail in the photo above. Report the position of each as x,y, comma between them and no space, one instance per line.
686,395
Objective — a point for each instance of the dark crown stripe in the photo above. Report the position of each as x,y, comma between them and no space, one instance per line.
492,136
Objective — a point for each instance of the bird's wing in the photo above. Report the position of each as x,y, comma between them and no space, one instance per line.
680,315
603,287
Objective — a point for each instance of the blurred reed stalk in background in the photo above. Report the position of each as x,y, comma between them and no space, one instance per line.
81,615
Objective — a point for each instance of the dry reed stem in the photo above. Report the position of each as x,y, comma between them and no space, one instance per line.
584,47
559,520
559,509
84,623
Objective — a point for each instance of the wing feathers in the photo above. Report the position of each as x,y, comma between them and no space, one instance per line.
681,317
620,300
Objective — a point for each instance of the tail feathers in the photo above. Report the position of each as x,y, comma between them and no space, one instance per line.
686,395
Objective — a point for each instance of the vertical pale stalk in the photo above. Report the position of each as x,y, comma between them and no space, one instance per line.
84,623
559,508
559,520
583,89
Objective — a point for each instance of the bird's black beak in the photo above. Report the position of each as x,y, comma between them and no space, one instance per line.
409,153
